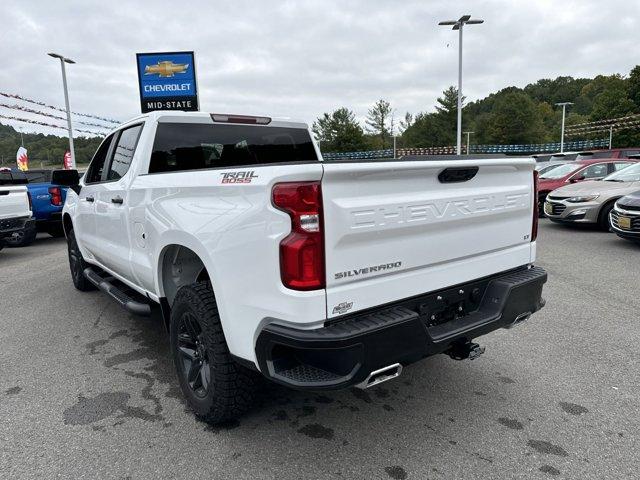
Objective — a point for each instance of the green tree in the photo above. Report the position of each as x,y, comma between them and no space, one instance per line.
516,120
379,123
633,86
406,122
339,132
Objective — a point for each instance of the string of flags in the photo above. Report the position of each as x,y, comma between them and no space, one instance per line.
50,115
44,124
53,107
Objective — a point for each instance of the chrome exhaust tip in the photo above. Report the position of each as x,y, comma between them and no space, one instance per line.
381,375
519,319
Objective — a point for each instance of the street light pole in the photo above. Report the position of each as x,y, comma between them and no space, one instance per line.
564,108
467,134
64,60
458,25
610,137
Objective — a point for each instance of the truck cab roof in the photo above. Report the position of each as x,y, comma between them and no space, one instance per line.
172,116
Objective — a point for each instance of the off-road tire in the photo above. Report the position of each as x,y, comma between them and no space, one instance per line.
230,388
25,238
77,265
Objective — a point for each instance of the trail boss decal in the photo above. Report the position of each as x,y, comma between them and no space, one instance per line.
238,177
367,270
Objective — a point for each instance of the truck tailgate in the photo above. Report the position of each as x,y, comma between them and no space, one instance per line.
395,229
14,201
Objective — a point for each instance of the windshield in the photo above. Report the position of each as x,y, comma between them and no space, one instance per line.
542,169
561,171
628,174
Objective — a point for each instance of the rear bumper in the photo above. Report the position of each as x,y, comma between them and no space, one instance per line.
9,226
345,352
54,219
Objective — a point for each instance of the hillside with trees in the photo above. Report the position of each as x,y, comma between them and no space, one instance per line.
510,116
46,150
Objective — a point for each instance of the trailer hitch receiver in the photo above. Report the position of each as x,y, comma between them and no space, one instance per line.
462,351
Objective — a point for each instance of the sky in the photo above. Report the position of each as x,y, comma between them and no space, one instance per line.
300,59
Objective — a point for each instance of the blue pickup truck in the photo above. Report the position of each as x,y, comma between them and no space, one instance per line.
47,200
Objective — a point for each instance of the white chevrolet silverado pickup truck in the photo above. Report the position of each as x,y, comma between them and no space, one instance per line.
15,204
263,258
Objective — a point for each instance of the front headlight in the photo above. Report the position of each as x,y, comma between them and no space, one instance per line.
587,198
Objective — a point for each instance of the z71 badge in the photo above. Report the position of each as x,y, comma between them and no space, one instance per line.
341,308
238,177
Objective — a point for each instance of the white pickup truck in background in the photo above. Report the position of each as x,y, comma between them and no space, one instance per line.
15,204
318,275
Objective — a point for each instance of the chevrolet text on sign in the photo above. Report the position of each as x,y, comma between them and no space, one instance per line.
167,81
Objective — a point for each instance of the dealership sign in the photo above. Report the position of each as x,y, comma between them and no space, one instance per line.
167,81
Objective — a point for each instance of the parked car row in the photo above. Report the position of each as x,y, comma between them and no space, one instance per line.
603,192
575,172
45,201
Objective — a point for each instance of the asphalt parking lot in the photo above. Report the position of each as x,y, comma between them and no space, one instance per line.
88,391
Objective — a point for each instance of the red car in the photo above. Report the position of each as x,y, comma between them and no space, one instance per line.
613,153
577,171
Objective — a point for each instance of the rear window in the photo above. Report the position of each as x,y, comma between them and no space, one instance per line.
594,155
39,176
9,177
185,146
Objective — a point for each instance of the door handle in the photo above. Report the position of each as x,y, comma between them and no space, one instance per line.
457,174
117,200
89,199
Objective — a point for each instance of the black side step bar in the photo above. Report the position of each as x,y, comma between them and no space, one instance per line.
125,301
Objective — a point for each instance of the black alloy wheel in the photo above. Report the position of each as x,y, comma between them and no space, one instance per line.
196,368
77,265
215,386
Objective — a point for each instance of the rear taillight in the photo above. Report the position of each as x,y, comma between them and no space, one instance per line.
534,225
302,251
56,196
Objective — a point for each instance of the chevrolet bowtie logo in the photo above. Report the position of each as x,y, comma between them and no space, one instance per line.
166,68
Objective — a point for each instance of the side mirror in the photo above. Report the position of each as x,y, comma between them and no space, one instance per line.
577,179
66,178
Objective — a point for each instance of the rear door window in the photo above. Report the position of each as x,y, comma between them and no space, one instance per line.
184,146
123,152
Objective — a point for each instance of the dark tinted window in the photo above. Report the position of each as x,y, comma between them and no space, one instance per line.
123,152
184,146
38,176
94,173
